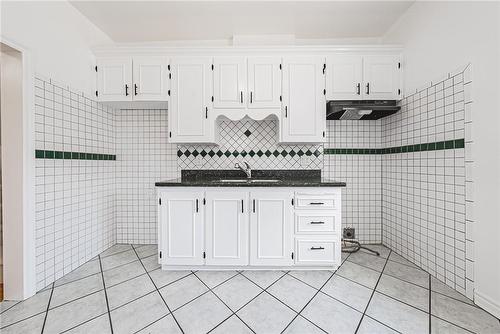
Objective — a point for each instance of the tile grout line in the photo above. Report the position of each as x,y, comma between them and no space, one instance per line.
430,298
105,295
373,292
152,281
48,306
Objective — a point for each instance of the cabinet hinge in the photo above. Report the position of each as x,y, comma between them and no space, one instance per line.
324,68
160,254
292,201
280,67
168,67
399,91
204,201
159,201
204,255
281,98
212,99
292,255
324,91
168,92
399,65
96,93
212,67
95,68
323,134
170,134
170,76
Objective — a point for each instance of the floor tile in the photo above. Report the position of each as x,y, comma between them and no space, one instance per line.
301,326
406,273
146,250
165,325
129,290
398,258
118,248
237,291
76,289
120,274
138,314
87,269
439,326
119,259
214,278
31,325
331,315
442,288
263,278
370,326
315,278
292,292
150,263
397,315
34,305
7,304
368,260
463,315
232,325
408,293
362,275
182,291
99,325
164,277
75,313
348,292
265,314
202,314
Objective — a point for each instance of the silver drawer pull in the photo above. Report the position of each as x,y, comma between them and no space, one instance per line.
317,248
315,223
316,203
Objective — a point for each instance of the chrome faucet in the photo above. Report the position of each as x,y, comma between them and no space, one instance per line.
246,169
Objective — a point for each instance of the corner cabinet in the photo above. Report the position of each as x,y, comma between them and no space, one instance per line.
190,110
249,228
303,117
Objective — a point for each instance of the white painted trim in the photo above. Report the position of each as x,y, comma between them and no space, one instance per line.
292,267
28,271
487,303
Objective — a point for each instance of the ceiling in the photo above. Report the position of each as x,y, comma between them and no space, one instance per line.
148,21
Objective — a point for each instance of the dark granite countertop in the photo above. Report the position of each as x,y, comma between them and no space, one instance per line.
287,178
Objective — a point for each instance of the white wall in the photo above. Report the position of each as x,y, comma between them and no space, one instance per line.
440,37
59,38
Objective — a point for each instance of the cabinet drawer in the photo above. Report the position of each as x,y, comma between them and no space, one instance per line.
317,251
317,201
315,223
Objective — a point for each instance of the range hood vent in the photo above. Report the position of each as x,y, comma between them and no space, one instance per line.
360,110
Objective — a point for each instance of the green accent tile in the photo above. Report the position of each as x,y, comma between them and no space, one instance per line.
75,155
343,151
95,156
187,153
308,153
101,156
316,153
284,153
431,146
67,155
276,153
58,154
179,153
235,153
404,149
449,144
227,153
292,153
440,145
300,153
251,153
211,153
195,153
244,153
39,154
49,154
459,143
268,153
89,156
355,151
203,153
416,148
424,147
260,153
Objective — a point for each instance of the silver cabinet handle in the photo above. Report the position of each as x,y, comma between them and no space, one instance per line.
316,203
317,248
368,89
317,223
241,96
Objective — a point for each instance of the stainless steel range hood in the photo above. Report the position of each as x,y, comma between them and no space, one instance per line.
360,110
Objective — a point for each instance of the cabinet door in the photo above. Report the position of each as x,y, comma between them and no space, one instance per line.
264,82
229,82
226,225
190,101
114,79
150,78
381,77
304,114
181,220
344,77
271,228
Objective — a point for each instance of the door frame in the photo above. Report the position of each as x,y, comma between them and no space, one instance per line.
19,258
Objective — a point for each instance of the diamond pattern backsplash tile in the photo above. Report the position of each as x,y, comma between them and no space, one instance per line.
253,141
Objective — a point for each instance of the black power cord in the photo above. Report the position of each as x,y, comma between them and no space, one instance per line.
352,246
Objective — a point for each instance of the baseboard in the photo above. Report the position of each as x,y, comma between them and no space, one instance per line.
487,304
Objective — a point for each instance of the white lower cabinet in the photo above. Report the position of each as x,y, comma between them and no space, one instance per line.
245,228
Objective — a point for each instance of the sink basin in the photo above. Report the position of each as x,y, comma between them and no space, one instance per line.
248,180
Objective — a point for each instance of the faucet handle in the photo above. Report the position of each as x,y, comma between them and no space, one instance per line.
237,166
246,164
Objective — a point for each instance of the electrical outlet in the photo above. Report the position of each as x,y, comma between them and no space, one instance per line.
349,233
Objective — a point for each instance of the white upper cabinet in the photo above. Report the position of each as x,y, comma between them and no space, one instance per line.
264,82
344,77
229,82
150,78
381,77
271,228
226,227
303,117
189,119
181,229
114,79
